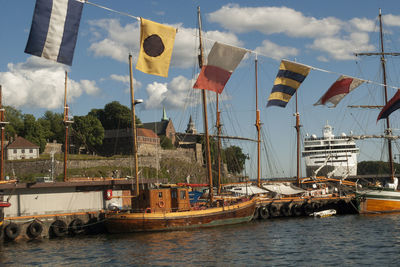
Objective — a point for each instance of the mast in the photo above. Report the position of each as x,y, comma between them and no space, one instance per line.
218,125
388,130
204,99
134,137
382,54
258,126
66,124
298,142
2,125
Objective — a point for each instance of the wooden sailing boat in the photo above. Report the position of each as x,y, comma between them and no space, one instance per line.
381,200
169,208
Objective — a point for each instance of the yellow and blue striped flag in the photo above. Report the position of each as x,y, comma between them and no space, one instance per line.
288,79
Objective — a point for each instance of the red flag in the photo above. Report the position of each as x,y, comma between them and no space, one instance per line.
390,106
222,61
338,90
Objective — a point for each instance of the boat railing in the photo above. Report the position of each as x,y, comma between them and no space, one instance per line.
332,138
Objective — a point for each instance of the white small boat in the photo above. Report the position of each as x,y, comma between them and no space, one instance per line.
323,213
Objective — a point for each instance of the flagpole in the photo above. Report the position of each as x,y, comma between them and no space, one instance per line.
134,137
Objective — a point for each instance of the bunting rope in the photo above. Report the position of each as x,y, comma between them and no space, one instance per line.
308,66
247,50
109,9
332,72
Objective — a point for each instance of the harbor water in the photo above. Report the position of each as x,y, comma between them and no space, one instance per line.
345,240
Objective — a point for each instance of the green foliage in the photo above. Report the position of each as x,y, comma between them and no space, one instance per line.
233,156
15,119
114,116
33,131
53,126
88,132
235,159
213,148
166,143
375,167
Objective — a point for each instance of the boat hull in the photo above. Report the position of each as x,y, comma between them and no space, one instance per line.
379,201
168,221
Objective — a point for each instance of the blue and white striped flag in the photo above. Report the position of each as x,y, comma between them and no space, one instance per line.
54,29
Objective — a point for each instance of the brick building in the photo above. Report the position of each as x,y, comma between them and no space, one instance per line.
119,141
165,127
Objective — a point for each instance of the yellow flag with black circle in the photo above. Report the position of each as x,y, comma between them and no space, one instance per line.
156,44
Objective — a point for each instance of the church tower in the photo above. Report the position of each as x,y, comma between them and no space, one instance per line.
164,115
190,127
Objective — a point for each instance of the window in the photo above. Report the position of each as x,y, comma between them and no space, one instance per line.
183,194
160,194
173,194
31,151
15,151
22,150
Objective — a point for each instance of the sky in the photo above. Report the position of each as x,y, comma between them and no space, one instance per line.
324,36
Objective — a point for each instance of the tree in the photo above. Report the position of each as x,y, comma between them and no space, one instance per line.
114,116
16,123
33,131
88,132
373,167
166,143
235,159
53,126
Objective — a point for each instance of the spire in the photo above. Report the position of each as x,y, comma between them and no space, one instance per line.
164,117
190,127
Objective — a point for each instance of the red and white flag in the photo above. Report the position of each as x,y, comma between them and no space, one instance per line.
339,89
222,61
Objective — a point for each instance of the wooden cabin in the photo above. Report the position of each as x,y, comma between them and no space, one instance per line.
162,200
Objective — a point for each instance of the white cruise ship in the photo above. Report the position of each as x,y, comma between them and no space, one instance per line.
333,156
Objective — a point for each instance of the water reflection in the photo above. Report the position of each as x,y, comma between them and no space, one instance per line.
344,240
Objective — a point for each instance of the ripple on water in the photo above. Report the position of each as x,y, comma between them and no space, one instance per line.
339,240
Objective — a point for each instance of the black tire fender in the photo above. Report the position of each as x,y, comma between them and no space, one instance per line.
76,226
297,210
273,210
11,231
58,228
285,210
264,213
34,229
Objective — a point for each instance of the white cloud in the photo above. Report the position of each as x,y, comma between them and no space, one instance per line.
343,48
40,83
89,87
111,39
391,20
362,24
335,38
269,20
156,92
120,78
175,94
125,80
275,51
